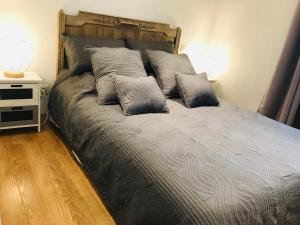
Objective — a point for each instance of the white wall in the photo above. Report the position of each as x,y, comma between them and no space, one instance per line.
253,33
39,19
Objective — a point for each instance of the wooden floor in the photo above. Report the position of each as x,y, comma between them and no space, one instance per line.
41,184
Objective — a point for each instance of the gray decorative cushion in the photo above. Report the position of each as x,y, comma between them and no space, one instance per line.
151,45
106,90
139,95
166,66
107,62
77,55
195,90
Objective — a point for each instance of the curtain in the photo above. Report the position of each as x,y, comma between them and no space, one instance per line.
282,101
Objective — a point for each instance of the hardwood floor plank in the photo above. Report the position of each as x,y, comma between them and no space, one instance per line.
52,187
35,187
80,193
12,211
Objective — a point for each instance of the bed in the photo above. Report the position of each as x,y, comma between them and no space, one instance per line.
202,166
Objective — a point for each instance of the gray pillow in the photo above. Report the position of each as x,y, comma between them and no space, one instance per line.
166,66
151,45
107,62
195,90
78,57
139,95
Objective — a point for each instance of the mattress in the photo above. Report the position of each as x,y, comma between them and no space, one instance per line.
208,165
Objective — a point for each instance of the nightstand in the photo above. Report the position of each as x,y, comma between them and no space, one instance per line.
20,101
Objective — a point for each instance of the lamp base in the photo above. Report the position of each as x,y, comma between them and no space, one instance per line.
14,74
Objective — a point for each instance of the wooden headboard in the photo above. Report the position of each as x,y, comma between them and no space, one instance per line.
103,26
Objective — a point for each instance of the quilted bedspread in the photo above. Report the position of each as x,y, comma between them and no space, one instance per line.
205,166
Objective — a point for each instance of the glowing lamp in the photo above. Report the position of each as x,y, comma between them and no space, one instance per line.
15,56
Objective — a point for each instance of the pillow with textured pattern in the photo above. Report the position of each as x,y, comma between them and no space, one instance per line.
78,57
151,45
195,90
107,62
139,95
166,66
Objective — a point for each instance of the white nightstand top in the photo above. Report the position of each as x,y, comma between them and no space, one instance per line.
29,77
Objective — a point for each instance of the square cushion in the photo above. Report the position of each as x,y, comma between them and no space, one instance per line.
166,66
196,90
139,95
107,62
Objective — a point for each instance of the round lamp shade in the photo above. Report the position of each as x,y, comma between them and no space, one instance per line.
15,56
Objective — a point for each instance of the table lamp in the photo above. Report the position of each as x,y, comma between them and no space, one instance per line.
15,56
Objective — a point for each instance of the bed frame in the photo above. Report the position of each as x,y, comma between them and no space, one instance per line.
96,25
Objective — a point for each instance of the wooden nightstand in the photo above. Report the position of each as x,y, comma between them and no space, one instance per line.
20,101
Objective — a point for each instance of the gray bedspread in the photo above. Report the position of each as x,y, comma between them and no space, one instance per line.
204,166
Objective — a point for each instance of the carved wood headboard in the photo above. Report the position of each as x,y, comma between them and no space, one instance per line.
97,25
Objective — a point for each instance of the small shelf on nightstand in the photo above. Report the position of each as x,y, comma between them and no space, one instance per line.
20,101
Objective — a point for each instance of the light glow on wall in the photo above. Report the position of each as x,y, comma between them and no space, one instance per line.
220,56
213,60
199,59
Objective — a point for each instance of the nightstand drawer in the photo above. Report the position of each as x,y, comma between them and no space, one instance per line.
18,116
18,94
